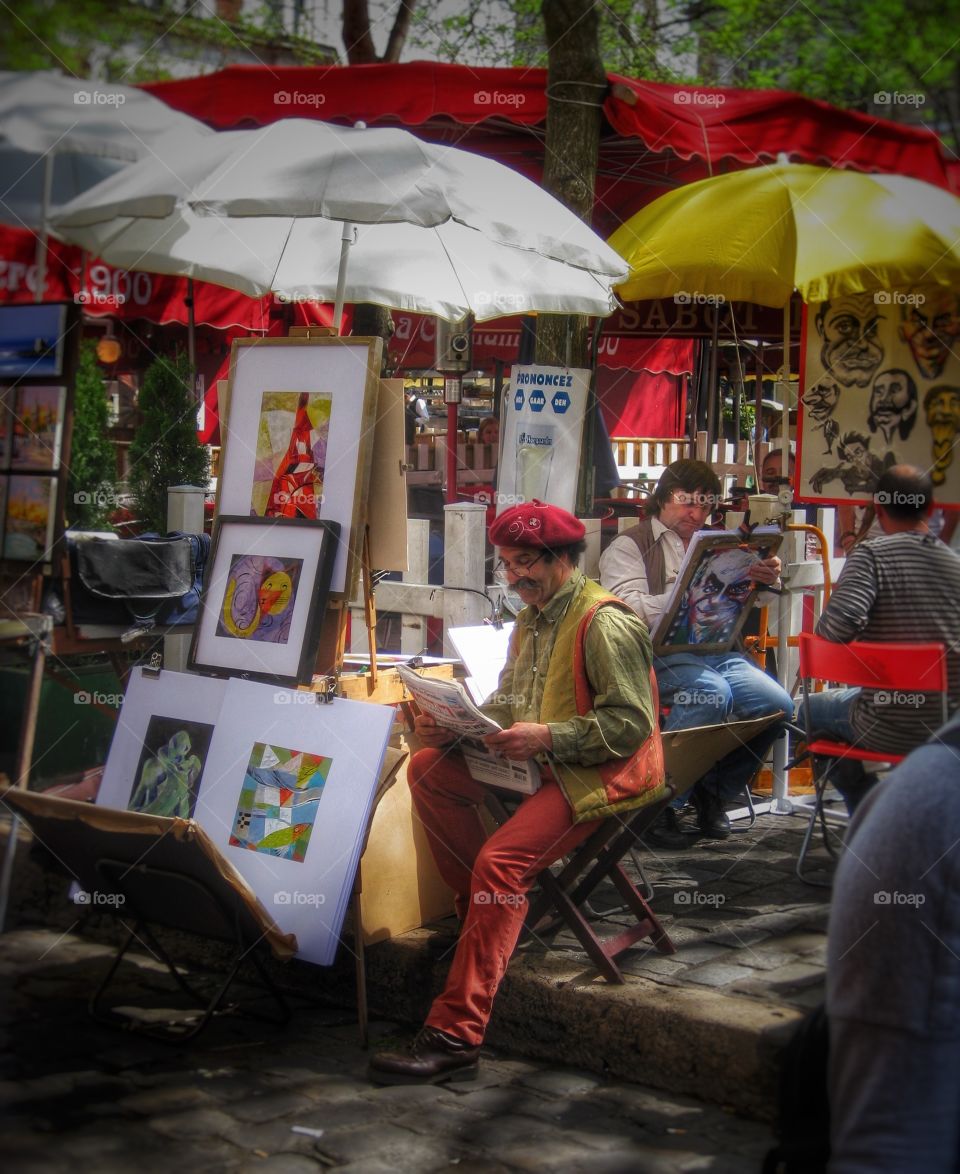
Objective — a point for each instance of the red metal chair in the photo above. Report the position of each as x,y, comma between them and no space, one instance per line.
895,666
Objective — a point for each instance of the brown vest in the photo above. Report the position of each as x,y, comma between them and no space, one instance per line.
651,551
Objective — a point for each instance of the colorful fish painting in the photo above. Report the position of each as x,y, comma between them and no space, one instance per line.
279,800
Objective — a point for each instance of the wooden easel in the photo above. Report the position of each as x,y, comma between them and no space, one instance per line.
333,633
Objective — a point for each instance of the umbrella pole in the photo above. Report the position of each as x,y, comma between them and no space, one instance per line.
42,238
781,804
714,404
191,330
451,453
785,388
346,240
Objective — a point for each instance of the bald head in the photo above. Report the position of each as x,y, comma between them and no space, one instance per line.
904,494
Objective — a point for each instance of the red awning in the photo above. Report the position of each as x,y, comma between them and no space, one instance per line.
118,293
413,346
656,135
642,404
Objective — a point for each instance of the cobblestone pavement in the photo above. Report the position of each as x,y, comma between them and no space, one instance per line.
244,1096
744,924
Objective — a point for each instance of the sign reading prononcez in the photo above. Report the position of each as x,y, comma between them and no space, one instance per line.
543,416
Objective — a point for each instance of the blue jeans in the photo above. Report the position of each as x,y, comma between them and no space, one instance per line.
724,686
829,714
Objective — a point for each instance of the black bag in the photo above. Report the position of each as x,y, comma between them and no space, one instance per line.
157,577
803,1111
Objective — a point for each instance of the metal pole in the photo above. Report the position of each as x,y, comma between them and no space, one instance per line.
347,238
451,453
713,391
191,329
785,386
42,236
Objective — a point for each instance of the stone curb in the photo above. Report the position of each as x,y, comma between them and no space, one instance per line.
552,1006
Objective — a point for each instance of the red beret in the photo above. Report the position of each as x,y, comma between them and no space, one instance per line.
535,523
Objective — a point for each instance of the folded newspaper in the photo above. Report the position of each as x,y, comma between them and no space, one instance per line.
449,705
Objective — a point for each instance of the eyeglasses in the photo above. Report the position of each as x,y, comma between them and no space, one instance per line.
702,501
517,567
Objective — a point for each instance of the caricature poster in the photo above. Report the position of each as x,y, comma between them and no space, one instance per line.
880,386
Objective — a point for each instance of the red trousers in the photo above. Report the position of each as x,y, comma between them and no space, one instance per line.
489,876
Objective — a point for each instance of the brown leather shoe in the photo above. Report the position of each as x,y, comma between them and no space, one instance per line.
434,1056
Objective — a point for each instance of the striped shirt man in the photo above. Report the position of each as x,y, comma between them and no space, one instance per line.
903,586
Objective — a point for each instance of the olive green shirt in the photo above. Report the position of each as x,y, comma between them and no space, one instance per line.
618,658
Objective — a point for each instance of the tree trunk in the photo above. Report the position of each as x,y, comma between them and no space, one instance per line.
576,85
374,322
358,38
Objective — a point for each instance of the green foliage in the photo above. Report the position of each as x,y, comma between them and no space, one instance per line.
165,450
879,56
129,43
632,39
748,415
842,51
91,483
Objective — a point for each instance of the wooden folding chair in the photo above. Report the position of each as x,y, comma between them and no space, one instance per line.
563,896
895,666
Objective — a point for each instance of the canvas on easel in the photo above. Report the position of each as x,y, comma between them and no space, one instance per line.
298,438
264,595
712,596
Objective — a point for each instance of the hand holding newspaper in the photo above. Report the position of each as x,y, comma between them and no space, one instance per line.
449,705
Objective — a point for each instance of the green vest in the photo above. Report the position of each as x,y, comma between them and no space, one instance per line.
621,784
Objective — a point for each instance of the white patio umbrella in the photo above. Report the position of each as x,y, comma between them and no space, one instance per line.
60,136
437,230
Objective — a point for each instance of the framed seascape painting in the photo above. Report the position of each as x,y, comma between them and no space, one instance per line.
29,517
37,427
32,340
713,593
298,438
263,598
161,743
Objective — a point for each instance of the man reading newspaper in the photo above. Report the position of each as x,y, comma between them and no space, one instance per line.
577,693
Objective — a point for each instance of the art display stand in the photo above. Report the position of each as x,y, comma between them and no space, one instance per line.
29,635
165,872
168,873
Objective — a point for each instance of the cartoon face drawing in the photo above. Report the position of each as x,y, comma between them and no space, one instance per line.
941,405
930,327
821,399
848,329
893,404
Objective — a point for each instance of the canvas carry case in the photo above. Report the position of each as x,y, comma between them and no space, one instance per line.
157,577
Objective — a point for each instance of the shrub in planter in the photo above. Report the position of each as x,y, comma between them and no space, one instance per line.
91,481
165,450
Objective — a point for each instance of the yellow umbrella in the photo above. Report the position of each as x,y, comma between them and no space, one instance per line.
756,235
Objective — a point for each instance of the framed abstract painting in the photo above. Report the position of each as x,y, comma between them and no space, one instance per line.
298,438
263,598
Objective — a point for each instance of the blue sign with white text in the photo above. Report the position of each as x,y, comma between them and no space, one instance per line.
561,401
538,401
